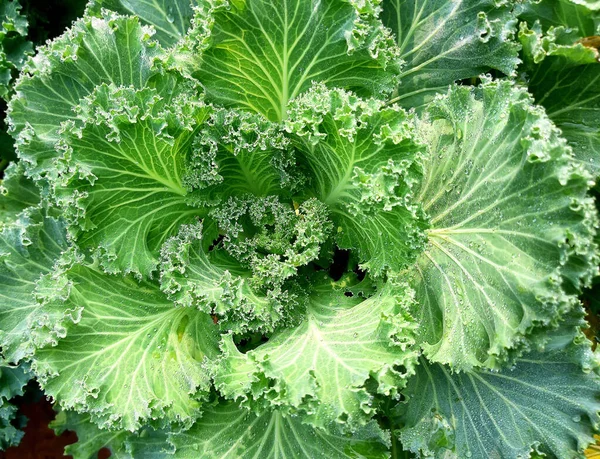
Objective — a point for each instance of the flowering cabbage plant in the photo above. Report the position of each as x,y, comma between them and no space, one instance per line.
306,228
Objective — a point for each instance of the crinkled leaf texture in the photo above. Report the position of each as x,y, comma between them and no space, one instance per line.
170,19
510,219
12,383
127,355
443,41
561,49
364,164
14,46
287,45
121,181
110,49
28,252
217,284
201,184
321,367
546,403
226,431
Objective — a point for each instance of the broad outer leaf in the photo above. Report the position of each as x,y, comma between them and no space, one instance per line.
364,163
170,18
443,41
228,431
547,402
129,356
28,251
320,368
509,215
217,284
261,54
106,50
12,383
17,192
121,186
560,44
225,431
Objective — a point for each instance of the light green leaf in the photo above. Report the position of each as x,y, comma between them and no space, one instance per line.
170,18
216,283
28,251
225,430
509,217
94,51
260,54
129,356
17,192
363,163
321,367
443,41
548,402
238,153
121,187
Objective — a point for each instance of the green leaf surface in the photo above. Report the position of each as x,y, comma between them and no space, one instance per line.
571,97
121,186
509,215
443,41
560,44
28,251
225,431
90,439
17,192
547,402
12,384
14,46
271,435
320,368
260,54
128,356
238,153
363,163
93,51
216,283
170,18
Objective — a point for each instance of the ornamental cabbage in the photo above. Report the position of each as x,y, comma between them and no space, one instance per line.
306,229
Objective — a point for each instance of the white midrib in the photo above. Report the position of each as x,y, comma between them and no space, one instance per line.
285,90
